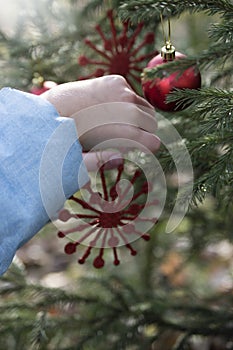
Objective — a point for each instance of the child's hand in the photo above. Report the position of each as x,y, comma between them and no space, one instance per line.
106,108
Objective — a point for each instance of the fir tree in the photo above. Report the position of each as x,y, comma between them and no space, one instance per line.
168,298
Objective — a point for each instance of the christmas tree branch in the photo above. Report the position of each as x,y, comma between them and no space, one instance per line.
206,100
70,312
135,10
209,140
222,32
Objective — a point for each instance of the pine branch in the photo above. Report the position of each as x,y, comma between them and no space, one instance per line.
38,333
136,11
210,140
215,181
206,100
100,323
222,32
213,171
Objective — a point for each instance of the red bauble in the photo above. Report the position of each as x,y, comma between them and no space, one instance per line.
156,91
44,86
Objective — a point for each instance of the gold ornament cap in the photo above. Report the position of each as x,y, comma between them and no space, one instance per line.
168,52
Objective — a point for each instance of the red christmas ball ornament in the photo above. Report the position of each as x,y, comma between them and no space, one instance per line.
43,86
157,90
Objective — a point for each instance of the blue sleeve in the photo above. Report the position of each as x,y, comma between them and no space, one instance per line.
40,166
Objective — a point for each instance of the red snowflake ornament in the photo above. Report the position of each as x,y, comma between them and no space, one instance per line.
120,53
110,218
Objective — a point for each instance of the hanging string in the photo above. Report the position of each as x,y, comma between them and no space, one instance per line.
169,30
162,24
167,40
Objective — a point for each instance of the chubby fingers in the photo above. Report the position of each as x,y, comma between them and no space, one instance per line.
68,98
121,137
112,113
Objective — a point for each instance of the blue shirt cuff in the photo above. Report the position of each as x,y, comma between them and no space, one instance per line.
41,166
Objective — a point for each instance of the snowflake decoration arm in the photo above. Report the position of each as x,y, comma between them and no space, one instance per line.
119,53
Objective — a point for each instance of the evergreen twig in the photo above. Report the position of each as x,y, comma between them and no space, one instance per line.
136,10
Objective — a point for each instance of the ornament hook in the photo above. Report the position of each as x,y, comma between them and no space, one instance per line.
167,51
